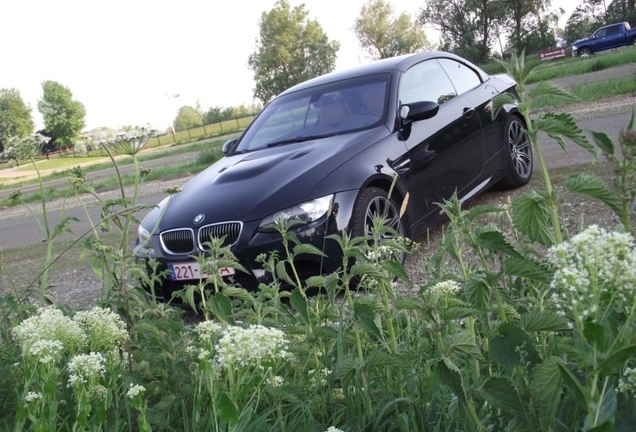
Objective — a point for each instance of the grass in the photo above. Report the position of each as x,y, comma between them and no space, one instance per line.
594,91
209,154
573,65
172,150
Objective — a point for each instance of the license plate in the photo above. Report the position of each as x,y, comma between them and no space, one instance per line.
191,270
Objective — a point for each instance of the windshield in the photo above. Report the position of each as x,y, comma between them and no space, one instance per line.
326,110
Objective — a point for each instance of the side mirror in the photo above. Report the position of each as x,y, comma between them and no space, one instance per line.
418,111
228,146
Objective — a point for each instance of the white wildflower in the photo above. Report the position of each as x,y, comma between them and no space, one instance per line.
135,390
32,396
251,346
447,287
334,429
49,324
207,330
276,381
105,329
86,368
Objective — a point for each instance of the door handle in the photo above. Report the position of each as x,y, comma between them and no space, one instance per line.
468,112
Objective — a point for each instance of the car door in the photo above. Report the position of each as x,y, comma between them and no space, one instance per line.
445,152
468,83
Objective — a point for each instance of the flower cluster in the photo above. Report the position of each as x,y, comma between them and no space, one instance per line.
319,377
106,331
595,271
24,148
334,429
49,324
128,142
447,287
253,346
135,390
276,381
86,368
206,330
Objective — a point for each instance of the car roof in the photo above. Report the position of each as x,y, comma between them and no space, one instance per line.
400,63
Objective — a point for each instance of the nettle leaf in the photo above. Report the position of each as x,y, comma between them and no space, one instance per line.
581,394
603,141
545,387
366,316
477,290
281,271
547,88
307,249
612,364
361,268
594,334
458,312
605,414
228,411
594,187
530,216
221,306
381,358
448,373
535,321
525,268
403,303
501,100
496,241
299,302
396,269
463,342
563,126
482,209
513,347
315,282
503,395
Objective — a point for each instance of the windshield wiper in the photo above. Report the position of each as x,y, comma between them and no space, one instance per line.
298,139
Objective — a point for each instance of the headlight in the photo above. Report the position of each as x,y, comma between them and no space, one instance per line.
143,248
304,213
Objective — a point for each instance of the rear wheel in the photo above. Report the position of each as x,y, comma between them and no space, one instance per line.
371,204
518,153
585,52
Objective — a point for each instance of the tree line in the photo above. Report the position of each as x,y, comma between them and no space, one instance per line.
291,48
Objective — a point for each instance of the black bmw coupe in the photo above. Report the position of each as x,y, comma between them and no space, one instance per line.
326,152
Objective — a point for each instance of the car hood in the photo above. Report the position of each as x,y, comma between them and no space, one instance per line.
251,186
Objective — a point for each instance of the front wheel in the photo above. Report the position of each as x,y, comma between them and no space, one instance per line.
518,153
374,203
585,52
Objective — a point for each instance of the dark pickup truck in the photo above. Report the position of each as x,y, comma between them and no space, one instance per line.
608,37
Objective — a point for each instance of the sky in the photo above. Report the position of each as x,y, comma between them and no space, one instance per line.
126,60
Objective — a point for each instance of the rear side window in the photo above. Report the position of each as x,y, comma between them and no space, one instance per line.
426,81
462,77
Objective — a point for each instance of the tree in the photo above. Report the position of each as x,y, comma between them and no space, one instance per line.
187,117
584,20
383,36
63,116
15,117
290,49
466,26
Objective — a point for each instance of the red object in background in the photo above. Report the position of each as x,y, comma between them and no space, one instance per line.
553,54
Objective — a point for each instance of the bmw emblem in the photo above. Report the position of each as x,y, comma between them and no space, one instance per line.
199,218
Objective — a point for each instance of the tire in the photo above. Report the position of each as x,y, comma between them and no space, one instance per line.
375,202
518,153
585,52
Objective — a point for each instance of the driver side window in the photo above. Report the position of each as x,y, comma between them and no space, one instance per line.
426,81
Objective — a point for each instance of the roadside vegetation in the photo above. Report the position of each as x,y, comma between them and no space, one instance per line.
521,326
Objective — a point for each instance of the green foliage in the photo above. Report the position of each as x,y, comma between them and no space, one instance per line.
63,117
187,117
510,332
290,49
383,36
15,117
